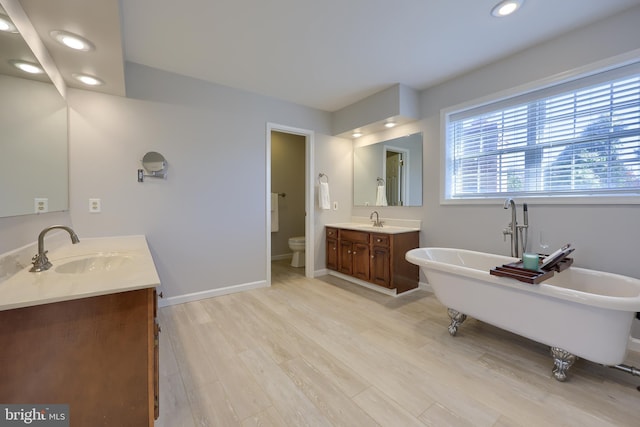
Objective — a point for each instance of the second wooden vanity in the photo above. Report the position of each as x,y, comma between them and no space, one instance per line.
373,257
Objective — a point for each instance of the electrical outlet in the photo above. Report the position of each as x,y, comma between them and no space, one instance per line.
40,205
95,206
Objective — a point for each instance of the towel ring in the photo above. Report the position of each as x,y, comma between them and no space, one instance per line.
320,176
380,181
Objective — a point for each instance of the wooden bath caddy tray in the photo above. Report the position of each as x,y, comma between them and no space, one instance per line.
514,270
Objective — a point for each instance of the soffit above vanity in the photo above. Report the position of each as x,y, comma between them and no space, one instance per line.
398,103
97,21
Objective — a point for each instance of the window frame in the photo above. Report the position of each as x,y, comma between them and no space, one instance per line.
610,64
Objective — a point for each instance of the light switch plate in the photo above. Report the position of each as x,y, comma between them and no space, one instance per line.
95,206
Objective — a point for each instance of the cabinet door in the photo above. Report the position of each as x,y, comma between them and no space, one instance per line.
332,254
345,257
96,354
361,261
381,266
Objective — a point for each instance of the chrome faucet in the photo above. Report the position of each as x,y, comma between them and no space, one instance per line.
513,229
40,260
376,222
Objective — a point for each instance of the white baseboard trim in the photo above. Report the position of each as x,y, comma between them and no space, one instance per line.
425,286
322,272
634,344
195,296
280,257
391,292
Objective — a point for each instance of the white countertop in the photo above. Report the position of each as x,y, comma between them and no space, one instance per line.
136,271
385,229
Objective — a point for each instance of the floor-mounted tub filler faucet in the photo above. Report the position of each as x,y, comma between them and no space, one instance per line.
40,260
513,229
376,222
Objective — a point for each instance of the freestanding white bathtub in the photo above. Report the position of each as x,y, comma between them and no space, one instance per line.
577,312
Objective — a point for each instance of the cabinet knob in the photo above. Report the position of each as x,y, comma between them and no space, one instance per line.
379,240
372,257
334,249
354,252
348,252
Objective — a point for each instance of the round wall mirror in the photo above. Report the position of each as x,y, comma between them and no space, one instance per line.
154,163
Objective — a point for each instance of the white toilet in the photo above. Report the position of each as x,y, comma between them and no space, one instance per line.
296,244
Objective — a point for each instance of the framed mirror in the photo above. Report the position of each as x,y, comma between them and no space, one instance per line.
33,135
389,173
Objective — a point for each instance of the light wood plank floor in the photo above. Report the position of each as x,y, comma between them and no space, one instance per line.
324,352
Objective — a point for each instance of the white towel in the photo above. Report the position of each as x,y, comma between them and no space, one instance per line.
324,201
275,226
381,196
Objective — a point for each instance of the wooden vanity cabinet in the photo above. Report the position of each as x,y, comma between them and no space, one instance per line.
99,355
376,258
332,248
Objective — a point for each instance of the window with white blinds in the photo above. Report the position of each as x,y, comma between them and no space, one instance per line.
576,138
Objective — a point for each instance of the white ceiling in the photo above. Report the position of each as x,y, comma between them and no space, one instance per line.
328,54
325,54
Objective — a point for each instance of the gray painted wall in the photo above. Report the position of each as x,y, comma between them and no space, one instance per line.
206,223
605,236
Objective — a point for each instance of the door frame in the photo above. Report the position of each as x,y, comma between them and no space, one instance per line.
309,221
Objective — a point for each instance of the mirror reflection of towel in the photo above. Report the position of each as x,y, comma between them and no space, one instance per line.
324,201
381,196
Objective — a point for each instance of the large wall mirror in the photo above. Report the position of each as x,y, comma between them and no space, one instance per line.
33,135
389,173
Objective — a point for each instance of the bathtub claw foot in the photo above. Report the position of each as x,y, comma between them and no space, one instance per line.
456,320
562,361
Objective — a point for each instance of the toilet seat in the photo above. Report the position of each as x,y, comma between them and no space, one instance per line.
298,239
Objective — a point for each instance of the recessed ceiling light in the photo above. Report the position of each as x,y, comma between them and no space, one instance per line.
87,79
27,67
506,7
356,134
6,25
71,40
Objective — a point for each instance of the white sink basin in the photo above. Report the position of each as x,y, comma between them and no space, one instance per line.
96,263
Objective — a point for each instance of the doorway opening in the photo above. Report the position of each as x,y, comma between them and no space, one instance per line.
289,201
395,170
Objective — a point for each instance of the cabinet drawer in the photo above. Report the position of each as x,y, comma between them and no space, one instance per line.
380,239
332,233
354,236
